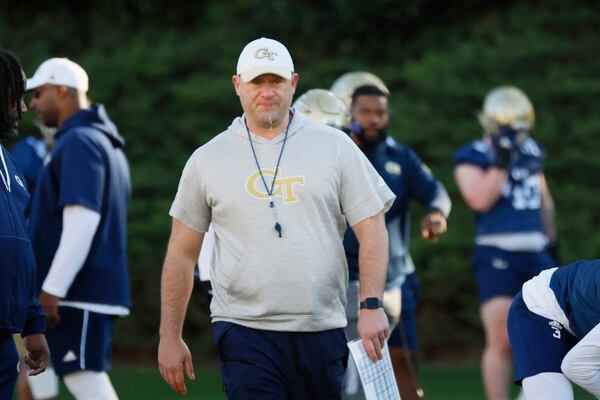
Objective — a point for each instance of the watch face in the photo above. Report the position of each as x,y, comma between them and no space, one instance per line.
371,303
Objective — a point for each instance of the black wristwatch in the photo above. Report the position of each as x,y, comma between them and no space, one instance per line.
371,303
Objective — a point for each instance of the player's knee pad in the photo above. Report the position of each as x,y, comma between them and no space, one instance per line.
90,385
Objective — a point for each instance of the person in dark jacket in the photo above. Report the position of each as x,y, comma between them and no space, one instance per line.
410,180
19,310
78,227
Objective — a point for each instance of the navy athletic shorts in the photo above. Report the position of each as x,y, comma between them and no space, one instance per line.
538,344
261,364
9,360
502,273
81,341
404,334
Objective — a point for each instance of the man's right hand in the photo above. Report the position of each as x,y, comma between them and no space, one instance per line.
38,354
50,306
173,358
373,329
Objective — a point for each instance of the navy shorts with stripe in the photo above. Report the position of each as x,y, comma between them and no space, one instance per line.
260,364
81,341
9,359
502,273
404,334
538,344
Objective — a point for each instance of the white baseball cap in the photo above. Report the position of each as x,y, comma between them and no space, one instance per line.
59,71
264,56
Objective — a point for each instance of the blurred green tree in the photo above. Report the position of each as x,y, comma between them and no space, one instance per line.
164,72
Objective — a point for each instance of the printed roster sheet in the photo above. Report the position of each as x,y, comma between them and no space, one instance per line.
377,378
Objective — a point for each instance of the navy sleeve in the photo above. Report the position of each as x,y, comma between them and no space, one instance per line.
35,320
23,157
474,154
423,186
82,174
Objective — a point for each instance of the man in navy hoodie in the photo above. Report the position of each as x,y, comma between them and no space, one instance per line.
19,309
79,227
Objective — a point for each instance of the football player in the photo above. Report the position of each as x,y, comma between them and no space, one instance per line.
554,329
323,106
410,179
501,178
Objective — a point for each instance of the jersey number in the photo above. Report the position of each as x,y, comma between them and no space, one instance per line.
526,195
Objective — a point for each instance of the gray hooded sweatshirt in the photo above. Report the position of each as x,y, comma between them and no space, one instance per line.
296,282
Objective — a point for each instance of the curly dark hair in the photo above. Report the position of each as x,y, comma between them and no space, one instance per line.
12,89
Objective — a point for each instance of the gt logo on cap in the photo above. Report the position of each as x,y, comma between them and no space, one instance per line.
264,53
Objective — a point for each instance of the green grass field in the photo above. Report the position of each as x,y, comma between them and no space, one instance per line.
145,383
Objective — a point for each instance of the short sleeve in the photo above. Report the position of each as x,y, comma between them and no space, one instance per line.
475,153
423,186
190,205
35,320
82,174
364,193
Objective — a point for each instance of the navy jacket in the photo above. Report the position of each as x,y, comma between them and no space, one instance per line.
86,167
518,209
19,309
29,154
576,287
409,178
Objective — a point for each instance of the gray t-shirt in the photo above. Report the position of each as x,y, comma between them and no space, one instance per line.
296,282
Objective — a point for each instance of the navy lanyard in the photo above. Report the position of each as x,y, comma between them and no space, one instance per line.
277,226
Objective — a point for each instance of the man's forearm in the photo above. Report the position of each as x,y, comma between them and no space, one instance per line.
176,289
480,189
373,261
547,211
178,277
373,257
549,222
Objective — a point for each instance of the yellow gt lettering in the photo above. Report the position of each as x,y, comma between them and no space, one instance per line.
284,187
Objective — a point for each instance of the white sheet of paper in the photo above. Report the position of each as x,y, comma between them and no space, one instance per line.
378,380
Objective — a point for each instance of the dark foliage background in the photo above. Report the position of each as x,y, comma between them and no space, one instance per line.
164,72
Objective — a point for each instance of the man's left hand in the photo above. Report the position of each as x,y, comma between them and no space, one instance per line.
373,329
49,304
38,355
433,225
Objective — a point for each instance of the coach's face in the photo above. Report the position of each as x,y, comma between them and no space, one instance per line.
44,102
266,99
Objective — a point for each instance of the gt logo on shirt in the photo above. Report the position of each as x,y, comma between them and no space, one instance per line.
284,187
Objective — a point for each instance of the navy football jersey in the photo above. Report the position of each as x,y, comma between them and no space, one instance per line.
518,208
409,178
577,290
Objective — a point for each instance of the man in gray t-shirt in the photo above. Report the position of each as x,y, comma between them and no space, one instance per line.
278,190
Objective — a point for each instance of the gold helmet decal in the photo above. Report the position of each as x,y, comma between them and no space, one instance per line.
507,106
346,84
323,106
